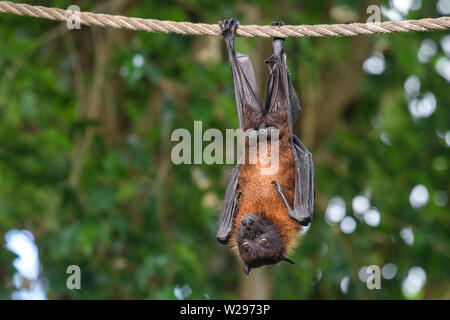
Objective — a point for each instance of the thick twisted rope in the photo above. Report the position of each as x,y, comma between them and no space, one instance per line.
188,28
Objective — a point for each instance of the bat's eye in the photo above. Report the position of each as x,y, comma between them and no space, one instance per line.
245,245
264,241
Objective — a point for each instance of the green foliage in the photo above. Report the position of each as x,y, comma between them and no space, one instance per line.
85,154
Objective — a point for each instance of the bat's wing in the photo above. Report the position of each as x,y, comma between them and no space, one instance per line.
282,101
229,207
248,99
282,106
249,108
304,184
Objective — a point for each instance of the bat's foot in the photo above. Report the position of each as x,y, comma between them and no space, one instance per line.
303,220
228,27
278,24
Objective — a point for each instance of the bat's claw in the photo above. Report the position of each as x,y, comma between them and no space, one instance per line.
303,220
281,194
278,24
278,188
229,27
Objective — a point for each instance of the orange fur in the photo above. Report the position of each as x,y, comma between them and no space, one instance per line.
259,196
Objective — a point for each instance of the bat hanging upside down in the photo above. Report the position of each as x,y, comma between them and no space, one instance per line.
263,214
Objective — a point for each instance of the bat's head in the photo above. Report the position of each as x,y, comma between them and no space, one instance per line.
259,242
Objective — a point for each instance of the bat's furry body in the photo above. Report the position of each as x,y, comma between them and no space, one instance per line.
263,214
259,196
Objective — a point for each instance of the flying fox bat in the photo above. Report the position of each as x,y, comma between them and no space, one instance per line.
262,215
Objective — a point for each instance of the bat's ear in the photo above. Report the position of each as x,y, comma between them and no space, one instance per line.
246,270
284,258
